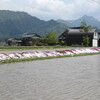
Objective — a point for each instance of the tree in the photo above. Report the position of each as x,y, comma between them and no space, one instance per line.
85,28
51,38
85,40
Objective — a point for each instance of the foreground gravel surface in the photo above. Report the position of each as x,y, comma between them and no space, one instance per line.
76,78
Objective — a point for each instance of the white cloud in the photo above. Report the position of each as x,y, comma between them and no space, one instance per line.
53,9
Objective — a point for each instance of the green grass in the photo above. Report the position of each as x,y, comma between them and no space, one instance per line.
43,58
33,47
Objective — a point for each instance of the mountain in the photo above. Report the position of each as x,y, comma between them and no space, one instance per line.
14,24
88,19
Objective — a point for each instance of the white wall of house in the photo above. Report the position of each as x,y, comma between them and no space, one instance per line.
95,43
95,39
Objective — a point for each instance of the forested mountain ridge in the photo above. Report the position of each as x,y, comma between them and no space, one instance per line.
13,24
88,19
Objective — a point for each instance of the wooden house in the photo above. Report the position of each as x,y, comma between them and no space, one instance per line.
14,42
74,36
28,38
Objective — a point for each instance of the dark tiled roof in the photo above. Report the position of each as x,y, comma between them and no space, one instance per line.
80,31
32,35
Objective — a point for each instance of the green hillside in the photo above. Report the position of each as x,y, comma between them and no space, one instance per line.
76,23
15,24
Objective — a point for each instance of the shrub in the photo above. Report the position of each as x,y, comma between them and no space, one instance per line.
85,40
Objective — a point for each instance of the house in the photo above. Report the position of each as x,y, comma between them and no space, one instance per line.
31,35
27,39
74,36
96,39
14,42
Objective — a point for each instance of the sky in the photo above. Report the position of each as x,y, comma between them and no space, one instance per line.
54,9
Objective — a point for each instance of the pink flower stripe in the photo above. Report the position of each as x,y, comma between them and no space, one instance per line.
34,54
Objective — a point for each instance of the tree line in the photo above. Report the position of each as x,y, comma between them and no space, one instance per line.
53,39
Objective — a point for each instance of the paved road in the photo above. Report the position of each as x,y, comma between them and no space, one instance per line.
73,78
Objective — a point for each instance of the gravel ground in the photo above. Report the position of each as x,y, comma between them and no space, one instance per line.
75,78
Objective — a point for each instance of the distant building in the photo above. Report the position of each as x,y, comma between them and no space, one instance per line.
14,42
31,35
28,37
26,40
3,44
75,35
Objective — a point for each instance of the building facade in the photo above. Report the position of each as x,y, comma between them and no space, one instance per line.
26,40
29,39
74,36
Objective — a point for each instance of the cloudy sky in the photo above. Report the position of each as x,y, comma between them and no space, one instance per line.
54,9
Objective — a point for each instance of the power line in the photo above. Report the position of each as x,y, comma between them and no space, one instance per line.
96,1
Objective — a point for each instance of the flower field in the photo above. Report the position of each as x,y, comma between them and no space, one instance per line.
41,54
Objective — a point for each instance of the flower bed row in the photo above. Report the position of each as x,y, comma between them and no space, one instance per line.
38,54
